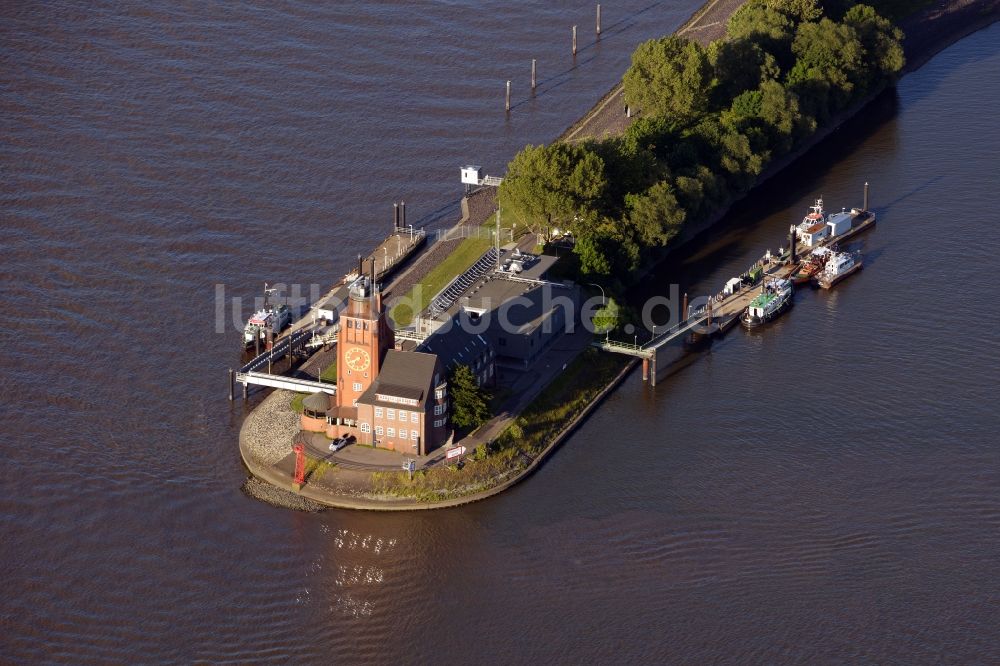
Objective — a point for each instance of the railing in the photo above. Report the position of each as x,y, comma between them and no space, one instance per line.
288,383
447,296
409,334
277,350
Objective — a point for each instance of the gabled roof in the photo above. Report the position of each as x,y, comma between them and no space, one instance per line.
408,375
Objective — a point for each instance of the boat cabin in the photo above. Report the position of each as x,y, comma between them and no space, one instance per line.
839,223
815,234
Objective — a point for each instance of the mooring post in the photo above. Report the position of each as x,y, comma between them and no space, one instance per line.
246,391
866,197
574,40
532,76
684,308
231,385
507,104
598,20
652,370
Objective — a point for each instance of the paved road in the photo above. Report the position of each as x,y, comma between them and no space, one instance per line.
608,118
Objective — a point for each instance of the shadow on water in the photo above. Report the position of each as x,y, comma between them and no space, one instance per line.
928,185
619,27
732,235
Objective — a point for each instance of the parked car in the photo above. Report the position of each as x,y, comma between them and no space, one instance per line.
339,443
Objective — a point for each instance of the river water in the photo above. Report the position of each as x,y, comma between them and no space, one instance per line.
828,489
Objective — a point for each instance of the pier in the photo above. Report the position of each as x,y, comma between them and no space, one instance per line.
722,311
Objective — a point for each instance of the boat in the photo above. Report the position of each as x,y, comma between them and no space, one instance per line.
814,216
813,230
775,297
811,265
270,318
838,267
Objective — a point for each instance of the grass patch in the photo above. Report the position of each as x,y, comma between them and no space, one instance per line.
562,400
296,403
316,469
487,467
419,297
330,374
466,254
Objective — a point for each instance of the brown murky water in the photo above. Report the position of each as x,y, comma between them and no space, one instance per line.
827,490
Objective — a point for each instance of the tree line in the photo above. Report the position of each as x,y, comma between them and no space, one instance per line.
710,120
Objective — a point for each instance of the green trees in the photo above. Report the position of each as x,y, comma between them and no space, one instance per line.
549,186
469,408
655,214
710,121
881,43
669,77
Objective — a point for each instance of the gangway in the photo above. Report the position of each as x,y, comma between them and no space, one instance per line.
289,383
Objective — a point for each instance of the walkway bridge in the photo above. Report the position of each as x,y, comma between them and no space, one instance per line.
282,382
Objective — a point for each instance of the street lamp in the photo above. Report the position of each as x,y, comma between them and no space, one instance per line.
604,304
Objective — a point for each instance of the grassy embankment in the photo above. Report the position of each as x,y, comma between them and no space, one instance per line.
491,464
328,375
419,297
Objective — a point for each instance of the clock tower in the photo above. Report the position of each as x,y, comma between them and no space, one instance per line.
364,337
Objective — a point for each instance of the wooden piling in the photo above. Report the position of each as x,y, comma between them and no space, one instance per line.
245,391
598,20
507,105
395,216
574,40
865,208
231,384
402,214
532,76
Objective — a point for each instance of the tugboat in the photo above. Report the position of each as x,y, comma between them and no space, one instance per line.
273,318
775,297
812,265
838,267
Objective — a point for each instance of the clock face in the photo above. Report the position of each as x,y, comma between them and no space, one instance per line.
357,359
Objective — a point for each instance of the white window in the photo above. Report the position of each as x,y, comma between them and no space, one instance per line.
402,433
378,412
357,386
439,422
415,435
415,417
390,432
366,427
440,393
378,430
390,414
439,410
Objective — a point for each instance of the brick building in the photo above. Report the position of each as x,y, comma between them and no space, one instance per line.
386,398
